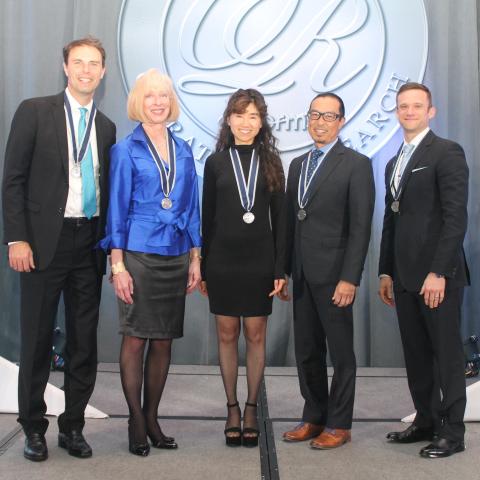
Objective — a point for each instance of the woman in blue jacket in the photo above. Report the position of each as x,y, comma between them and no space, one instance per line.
153,233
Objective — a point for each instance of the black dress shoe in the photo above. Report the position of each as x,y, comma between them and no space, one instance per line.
411,434
75,443
35,447
442,447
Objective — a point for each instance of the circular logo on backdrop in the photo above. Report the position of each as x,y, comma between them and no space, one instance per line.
289,50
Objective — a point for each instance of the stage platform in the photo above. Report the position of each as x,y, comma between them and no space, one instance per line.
193,410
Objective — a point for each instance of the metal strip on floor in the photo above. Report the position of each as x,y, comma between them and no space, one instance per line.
8,439
268,452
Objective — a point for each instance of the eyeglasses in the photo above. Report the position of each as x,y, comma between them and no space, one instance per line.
327,116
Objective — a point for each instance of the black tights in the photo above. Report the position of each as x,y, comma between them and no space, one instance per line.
153,376
228,332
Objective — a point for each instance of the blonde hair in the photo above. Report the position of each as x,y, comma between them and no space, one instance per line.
151,80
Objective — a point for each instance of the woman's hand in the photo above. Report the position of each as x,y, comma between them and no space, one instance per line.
123,285
278,285
283,293
202,287
194,276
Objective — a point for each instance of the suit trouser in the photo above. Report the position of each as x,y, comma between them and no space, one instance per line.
74,273
318,321
434,359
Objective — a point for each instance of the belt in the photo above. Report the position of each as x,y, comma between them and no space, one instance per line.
79,221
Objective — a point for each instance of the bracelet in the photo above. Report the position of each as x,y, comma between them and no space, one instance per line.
118,267
192,257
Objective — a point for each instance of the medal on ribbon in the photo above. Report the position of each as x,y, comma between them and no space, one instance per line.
246,189
304,185
397,175
78,153
167,175
396,190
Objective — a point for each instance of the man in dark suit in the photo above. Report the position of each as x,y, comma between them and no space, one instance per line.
330,199
422,261
55,195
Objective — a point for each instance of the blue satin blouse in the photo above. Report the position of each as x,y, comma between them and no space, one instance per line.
135,220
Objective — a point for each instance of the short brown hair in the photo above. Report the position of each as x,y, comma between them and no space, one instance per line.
415,86
151,80
88,41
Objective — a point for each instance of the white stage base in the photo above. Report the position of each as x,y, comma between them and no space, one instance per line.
54,397
472,411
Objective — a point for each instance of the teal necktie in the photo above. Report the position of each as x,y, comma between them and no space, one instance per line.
89,197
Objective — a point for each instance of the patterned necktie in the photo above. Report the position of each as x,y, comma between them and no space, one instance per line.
403,159
312,165
89,197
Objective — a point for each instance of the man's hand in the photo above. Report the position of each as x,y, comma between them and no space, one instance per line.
123,284
20,257
386,291
433,290
344,294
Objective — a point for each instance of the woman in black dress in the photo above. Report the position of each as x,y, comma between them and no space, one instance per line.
244,247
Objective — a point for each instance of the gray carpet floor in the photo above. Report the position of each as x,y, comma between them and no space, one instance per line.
193,410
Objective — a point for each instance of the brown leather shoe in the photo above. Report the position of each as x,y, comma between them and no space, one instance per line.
303,431
331,439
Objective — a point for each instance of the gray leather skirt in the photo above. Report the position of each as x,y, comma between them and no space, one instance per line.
159,289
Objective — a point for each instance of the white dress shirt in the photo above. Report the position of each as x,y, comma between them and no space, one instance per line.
74,199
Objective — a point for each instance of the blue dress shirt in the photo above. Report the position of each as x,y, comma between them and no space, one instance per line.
136,220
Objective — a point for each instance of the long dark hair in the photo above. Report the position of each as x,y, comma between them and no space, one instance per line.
266,142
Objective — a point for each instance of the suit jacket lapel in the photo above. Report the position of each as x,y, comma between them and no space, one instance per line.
61,129
330,163
296,175
100,143
418,154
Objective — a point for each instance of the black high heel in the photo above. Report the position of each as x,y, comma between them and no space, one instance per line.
163,441
233,440
250,440
137,448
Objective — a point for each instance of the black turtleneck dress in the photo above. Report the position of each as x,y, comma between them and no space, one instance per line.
240,260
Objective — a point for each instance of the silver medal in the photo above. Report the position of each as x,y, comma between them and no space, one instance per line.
302,214
166,203
395,206
76,172
248,217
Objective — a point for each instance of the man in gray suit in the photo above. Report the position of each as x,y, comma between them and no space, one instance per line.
330,200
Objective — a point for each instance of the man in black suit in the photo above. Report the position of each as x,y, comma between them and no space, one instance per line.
330,199
422,261
55,195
